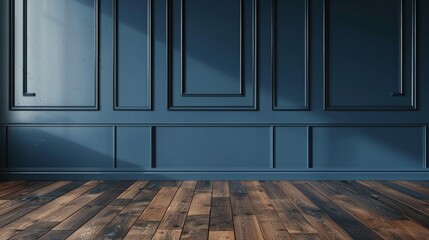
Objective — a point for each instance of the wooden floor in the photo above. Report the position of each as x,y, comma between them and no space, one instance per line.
214,210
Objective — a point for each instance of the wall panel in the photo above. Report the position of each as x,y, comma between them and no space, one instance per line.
55,60
369,59
133,58
134,148
213,148
290,54
212,55
60,147
291,147
368,148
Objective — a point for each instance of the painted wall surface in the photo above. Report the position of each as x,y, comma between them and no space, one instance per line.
214,89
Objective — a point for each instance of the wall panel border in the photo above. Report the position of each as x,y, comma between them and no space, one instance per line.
115,59
12,79
413,106
242,93
275,106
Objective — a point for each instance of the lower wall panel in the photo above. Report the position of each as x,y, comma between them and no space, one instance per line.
60,147
368,148
214,152
213,148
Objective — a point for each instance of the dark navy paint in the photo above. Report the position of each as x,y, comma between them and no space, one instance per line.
215,89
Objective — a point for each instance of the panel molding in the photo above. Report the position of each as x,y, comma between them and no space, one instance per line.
183,62
12,105
115,60
170,104
275,106
413,90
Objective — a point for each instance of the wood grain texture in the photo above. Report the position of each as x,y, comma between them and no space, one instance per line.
214,210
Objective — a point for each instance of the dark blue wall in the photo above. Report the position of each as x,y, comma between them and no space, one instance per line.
214,89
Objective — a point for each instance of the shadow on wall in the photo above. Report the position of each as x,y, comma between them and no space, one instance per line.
63,147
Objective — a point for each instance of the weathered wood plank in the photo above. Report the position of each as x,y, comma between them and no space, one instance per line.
347,222
319,220
175,216
142,230
221,235
122,223
271,225
293,219
221,215
220,189
246,225
74,216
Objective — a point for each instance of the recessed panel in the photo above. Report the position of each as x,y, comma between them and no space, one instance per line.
55,56
213,148
212,55
211,46
60,147
368,148
133,54
133,148
290,50
291,147
369,54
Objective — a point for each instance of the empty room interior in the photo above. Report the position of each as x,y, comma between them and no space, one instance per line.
214,119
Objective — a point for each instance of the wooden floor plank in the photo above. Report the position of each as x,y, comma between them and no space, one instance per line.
122,223
375,222
74,218
407,191
214,210
14,189
346,221
271,225
34,231
175,216
318,219
220,189
407,211
198,219
293,219
34,204
147,224
246,225
414,185
30,196
221,235
371,203
221,215
93,227
46,210
398,196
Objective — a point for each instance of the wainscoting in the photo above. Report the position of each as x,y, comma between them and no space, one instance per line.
215,210
214,89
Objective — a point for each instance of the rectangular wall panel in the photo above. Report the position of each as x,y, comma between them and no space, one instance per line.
55,54
211,50
291,147
133,148
368,148
60,147
370,55
212,55
133,35
213,148
290,54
